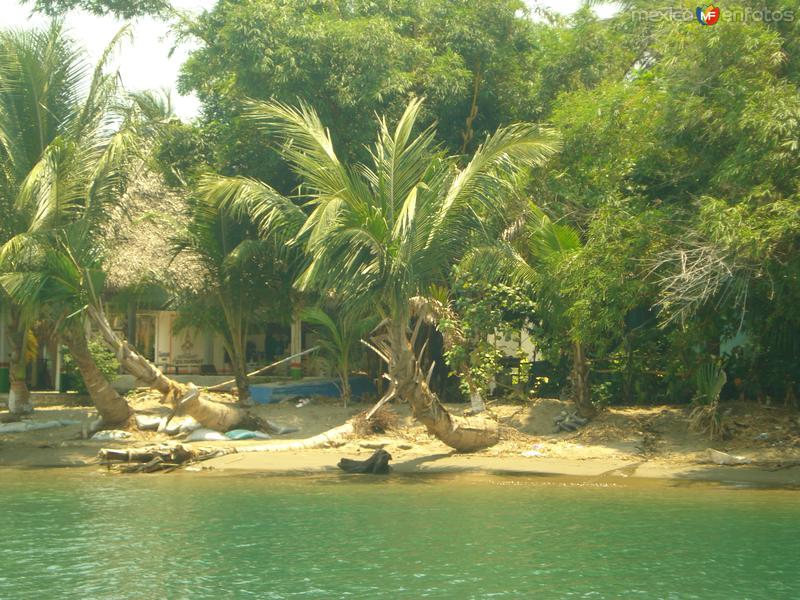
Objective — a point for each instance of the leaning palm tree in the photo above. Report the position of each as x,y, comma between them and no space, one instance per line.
384,234
45,107
51,288
66,158
62,159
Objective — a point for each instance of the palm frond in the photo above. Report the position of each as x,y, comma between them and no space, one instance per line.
308,147
274,214
548,238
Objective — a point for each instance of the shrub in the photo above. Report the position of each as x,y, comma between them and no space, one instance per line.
104,358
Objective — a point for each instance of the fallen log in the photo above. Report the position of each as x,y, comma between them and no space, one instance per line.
377,464
173,453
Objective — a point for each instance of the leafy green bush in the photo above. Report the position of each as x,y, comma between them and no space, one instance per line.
104,358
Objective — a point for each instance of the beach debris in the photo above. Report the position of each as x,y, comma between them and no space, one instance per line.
247,434
303,402
148,459
375,444
166,424
170,455
205,435
185,425
109,435
569,422
377,464
23,426
534,452
723,458
382,420
149,423
276,429
761,437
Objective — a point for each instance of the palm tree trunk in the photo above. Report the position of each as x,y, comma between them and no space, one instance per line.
344,378
242,383
452,336
237,349
113,408
476,401
580,382
183,398
465,434
19,396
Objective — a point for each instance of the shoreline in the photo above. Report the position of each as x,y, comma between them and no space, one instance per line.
323,461
621,444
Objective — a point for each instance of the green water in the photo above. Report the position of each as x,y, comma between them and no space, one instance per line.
88,535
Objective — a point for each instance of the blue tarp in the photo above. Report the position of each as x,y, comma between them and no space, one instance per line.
268,393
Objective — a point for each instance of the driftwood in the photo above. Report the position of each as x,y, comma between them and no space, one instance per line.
161,457
169,456
377,464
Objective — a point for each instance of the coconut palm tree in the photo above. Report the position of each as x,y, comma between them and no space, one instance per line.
340,339
243,276
52,288
67,157
383,234
45,107
62,159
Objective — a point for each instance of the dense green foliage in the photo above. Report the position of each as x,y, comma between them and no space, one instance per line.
124,9
663,235
351,60
682,176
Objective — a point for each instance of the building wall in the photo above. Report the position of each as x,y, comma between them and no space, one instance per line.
511,344
188,350
192,351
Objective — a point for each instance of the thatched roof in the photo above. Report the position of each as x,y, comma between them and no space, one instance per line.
137,240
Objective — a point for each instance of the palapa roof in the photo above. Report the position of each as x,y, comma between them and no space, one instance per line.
138,246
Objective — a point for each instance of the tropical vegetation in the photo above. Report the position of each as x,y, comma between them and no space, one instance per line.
624,190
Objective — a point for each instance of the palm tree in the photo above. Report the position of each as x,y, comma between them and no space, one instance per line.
66,158
52,288
42,81
60,163
340,339
382,234
243,277
531,253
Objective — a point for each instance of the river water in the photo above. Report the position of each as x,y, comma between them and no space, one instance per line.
68,534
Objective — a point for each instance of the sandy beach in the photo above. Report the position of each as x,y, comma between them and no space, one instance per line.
622,443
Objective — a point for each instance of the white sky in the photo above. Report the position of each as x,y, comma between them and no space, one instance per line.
144,61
